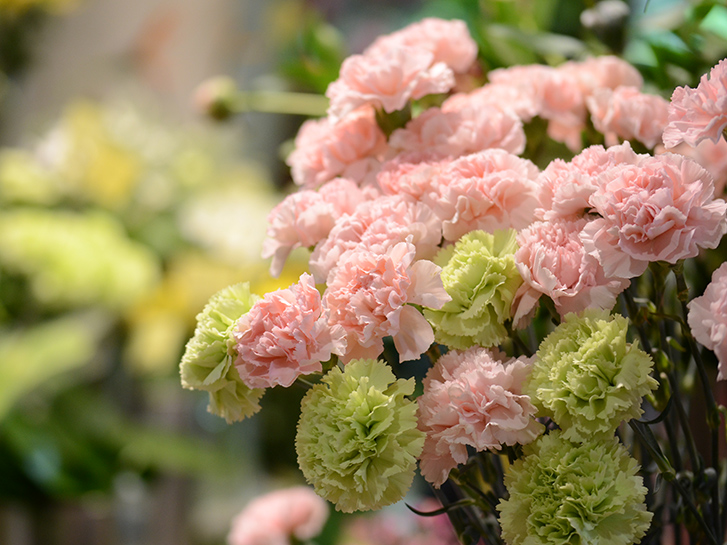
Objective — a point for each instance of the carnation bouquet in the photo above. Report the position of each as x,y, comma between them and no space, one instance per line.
559,305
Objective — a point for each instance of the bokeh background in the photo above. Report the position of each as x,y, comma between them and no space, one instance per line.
123,208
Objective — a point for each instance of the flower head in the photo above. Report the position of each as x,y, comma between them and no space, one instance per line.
472,399
661,209
701,113
387,81
580,494
324,149
489,190
276,517
627,113
368,293
357,440
285,335
587,378
207,363
449,41
480,275
708,318
552,261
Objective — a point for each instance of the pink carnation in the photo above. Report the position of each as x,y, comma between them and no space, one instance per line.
607,72
707,318
368,293
518,99
565,188
629,114
284,335
472,399
448,41
461,132
305,218
411,173
276,517
552,261
489,190
378,225
701,113
324,150
713,157
387,82
659,210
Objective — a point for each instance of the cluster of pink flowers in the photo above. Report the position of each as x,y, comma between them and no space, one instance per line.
385,199
375,211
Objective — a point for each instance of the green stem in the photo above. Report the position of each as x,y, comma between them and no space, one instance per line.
712,409
280,102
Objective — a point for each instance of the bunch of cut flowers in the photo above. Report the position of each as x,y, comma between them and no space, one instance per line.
532,238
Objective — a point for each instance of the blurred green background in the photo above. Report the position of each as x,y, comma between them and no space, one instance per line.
122,209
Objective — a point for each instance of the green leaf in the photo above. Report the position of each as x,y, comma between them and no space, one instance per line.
33,356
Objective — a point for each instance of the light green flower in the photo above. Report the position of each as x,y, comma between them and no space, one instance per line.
579,494
76,259
587,378
357,439
480,275
209,356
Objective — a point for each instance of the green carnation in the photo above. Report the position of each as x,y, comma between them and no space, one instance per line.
587,378
209,356
357,439
578,494
480,275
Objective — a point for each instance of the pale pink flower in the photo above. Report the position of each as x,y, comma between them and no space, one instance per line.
518,99
325,150
607,71
378,225
713,157
461,132
472,399
557,94
448,41
411,173
565,188
707,318
278,517
489,190
662,209
552,261
627,113
285,335
368,295
701,113
388,81
306,217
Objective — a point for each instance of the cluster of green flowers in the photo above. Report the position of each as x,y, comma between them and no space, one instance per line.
578,484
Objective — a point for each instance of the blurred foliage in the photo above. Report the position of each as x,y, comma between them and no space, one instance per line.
115,228
672,42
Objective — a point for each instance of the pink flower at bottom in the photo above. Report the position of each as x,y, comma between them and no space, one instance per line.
367,295
276,517
285,335
472,399
707,318
701,113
